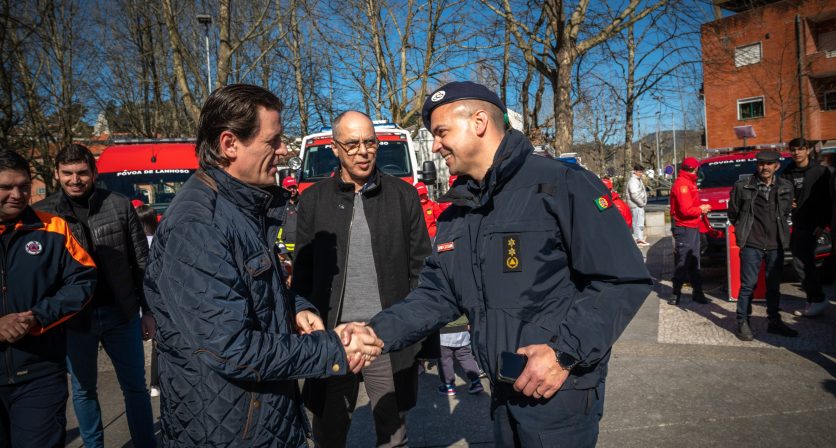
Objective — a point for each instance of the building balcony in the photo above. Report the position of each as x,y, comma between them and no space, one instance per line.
821,66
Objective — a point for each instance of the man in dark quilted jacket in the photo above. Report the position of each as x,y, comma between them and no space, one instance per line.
231,340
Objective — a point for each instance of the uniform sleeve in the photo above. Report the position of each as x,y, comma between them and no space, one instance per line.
76,289
607,267
206,298
426,309
139,256
689,206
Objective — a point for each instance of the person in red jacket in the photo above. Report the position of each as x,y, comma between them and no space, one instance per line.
622,206
686,217
430,207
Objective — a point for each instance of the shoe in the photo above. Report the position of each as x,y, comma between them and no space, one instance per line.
744,332
812,309
447,389
642,243
699,297
482,374
155,392
781,329
674,300
475,387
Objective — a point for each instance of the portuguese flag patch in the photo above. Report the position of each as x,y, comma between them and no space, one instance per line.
603,203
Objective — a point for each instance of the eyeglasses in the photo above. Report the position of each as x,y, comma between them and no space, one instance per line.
353,147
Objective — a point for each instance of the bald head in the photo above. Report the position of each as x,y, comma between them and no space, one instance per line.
349,118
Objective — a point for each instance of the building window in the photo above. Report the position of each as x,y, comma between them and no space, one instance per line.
827,43
830,100
749,108
747,55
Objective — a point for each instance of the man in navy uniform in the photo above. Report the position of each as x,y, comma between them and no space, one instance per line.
536,255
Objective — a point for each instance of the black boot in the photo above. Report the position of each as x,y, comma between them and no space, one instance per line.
777,327
674,299
744,331
699,297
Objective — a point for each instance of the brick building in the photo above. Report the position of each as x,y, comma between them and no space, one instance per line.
770,65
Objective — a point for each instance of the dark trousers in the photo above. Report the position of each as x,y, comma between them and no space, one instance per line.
330,429
465,359
750,266
803,246
569,419
34,413
686,255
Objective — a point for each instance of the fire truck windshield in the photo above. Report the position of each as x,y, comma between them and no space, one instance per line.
156,188
320,162
724,173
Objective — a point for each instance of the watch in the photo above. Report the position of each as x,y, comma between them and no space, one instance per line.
565,361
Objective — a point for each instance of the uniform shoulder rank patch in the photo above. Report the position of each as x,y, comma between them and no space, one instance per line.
511,253
603,203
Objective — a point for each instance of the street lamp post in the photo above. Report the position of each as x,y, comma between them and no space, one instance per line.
206,20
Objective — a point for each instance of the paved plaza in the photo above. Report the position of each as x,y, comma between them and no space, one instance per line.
678,377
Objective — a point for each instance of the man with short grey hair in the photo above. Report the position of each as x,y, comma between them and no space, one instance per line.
360,244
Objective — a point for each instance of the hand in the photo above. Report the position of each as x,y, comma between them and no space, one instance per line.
362,346
794,204
705,208
542,376
307,322
14,326
148,326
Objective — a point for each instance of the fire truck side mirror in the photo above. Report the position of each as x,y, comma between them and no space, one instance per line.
428,172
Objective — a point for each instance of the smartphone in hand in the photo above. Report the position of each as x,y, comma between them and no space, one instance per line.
511,366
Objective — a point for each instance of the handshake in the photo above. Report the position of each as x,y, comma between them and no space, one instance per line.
15,326
362,346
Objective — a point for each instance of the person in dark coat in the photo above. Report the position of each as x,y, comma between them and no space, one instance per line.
540,262
106,224
231,340
759,209
810,215
361,242
46,277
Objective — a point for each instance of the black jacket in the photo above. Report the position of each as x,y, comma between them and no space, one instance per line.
535,254
741,208
45,270
119,246
228,350
813,204
400,244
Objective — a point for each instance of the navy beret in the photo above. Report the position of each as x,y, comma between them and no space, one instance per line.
456,91
767,156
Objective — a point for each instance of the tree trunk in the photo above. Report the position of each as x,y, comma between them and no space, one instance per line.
224,45
562,89
629,103
178,66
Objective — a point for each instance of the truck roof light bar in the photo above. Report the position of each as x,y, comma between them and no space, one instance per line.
136,141
734,149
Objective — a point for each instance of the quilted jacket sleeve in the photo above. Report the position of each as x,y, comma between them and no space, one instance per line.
207,299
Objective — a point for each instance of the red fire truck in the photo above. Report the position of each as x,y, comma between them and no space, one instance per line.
149,170
715,178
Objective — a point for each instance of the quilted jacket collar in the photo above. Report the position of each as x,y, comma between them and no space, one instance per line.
246,196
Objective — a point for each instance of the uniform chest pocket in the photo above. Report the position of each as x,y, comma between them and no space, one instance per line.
520,263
